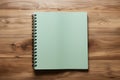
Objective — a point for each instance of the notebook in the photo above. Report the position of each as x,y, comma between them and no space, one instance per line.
60,40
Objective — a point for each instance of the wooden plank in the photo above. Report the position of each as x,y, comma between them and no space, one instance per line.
99,22
16,47
99,48
16,29
21,69
85,5
15,25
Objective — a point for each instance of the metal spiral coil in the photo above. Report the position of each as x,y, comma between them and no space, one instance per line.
34,36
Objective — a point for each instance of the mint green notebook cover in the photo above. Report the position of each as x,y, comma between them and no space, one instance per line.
60,40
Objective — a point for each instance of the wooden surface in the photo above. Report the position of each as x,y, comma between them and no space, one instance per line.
16,46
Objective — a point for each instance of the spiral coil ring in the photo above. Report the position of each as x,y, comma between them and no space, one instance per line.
34,20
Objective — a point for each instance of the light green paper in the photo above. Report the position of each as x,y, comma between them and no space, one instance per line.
62,41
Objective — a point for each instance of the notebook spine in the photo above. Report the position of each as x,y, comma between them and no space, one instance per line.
34,25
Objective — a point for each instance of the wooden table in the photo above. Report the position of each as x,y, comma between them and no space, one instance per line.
16,34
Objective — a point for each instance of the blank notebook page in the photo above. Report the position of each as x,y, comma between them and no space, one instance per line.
61,40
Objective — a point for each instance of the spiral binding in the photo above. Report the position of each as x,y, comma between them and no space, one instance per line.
34,20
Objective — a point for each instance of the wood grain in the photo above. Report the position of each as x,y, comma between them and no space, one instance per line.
85,5
16,39
21,69
104,34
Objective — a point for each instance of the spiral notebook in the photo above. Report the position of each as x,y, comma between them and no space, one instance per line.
60,40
